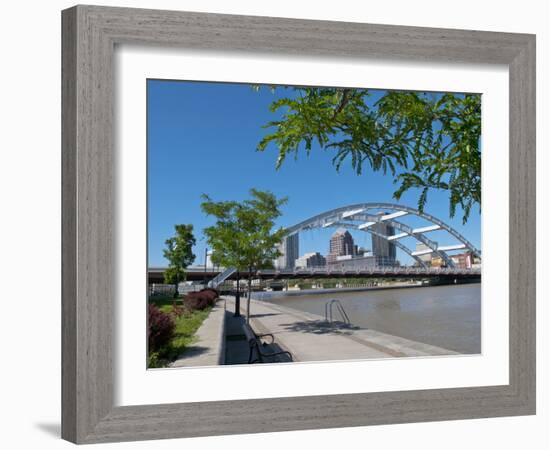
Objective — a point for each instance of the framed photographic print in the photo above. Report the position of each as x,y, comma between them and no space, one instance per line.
267,222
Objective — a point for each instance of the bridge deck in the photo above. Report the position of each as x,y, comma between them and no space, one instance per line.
156,275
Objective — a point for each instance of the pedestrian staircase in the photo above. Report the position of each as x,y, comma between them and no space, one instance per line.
221,277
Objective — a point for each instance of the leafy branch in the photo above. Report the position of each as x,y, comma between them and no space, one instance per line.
425,141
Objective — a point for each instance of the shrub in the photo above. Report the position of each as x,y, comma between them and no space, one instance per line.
154,361
177,310
161,328
201,299
211,291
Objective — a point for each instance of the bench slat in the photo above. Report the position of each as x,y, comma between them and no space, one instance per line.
256,344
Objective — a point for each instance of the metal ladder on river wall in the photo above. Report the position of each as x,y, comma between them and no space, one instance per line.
329,316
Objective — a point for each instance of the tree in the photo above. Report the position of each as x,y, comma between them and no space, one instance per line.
179,253
426,141
243,236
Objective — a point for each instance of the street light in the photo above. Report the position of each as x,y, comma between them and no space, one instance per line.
237,298
205,261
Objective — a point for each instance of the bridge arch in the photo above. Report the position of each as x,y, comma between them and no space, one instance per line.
351,216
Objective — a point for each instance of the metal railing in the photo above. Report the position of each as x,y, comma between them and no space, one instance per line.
324,270
339,307
220,278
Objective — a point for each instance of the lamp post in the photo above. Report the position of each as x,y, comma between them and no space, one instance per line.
205,261
237,299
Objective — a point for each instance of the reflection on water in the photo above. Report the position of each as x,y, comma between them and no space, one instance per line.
446,316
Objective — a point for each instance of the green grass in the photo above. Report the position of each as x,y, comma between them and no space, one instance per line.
184,336
163,301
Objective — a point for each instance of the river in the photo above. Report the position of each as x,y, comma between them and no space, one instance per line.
445,316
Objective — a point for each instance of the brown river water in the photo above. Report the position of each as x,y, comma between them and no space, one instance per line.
445,316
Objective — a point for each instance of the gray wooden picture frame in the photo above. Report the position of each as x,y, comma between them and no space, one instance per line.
90,34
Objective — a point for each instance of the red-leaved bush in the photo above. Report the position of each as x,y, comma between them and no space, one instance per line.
201,299
177,310
161,328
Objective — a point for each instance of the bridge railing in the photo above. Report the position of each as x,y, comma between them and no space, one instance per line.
384,270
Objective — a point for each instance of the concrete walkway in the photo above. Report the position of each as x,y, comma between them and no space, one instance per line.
209,347
309,338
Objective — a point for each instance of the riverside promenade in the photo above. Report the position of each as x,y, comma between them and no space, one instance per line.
310,338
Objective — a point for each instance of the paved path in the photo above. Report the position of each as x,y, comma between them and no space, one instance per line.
209,347
309,338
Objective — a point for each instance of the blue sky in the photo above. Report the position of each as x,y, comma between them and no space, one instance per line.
202,138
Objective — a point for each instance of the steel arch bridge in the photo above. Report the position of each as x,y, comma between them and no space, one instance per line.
363,216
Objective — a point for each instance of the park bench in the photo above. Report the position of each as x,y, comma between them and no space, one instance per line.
257,346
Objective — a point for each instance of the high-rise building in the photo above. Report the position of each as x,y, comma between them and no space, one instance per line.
425,257
313,259
290,250
361,262
463,260
341,243
438,262
381,247
362,251
209,262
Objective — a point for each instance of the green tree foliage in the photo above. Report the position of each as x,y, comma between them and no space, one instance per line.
179,253
243,236
426,141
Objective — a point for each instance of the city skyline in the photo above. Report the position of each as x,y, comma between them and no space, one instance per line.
343,250
185,161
